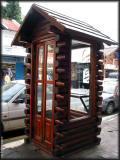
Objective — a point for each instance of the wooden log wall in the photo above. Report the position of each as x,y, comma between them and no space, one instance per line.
99,87
62,74
79,134
62,51
28,92
75,135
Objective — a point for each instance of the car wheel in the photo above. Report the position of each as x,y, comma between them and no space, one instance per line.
110,108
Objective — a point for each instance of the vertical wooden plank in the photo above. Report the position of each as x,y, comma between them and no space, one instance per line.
53,107
92,80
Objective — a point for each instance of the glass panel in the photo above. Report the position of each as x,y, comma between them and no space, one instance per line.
80,80
50,58
10,90
40,61
49,91
39,95
21,96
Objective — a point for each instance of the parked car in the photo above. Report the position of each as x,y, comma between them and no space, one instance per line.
110,96
13,105
113,75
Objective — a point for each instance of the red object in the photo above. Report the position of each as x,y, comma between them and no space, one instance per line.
5,116
9,24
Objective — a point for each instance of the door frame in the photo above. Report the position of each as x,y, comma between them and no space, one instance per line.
44,82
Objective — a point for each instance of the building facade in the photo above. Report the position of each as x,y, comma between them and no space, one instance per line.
111,56
12,57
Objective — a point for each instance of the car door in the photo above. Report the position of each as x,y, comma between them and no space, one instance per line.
4,115
116,97
16,111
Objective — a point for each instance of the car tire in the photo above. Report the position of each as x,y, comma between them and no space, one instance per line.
110,108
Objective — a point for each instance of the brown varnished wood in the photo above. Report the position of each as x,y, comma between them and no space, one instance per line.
76,148
44,38
61,84
78,135
59,134
67,130
61,57
45,124
59,109
32,90
76,123
99,88
61,27
59,122
92,80
37,118
78,140
27,111
58,96
72,131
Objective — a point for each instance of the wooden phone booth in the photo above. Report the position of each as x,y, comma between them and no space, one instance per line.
64,73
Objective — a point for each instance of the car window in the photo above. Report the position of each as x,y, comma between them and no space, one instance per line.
10,90
21,96
108,88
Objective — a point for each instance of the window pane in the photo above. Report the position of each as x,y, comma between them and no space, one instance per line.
50,58
49,89
40,61
39,95
10,90
80,80
21,96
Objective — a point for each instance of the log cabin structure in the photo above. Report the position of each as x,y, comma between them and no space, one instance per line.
51,123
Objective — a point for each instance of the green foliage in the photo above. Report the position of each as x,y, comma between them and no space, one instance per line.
12,11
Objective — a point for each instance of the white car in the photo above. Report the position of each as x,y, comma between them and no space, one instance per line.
13,105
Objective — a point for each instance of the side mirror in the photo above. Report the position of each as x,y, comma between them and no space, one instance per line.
19,101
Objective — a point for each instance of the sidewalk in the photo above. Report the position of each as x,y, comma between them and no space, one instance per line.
108,148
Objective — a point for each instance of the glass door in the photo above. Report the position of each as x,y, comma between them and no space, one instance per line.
44,112
39,79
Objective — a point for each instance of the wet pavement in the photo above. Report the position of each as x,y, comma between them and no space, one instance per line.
108,148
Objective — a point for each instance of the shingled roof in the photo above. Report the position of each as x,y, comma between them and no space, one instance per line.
63,23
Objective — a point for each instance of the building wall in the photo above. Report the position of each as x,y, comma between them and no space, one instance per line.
12,56
110,63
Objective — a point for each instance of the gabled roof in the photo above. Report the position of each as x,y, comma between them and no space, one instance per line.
10,25
63,23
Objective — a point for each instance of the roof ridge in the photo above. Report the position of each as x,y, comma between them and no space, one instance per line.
49,11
